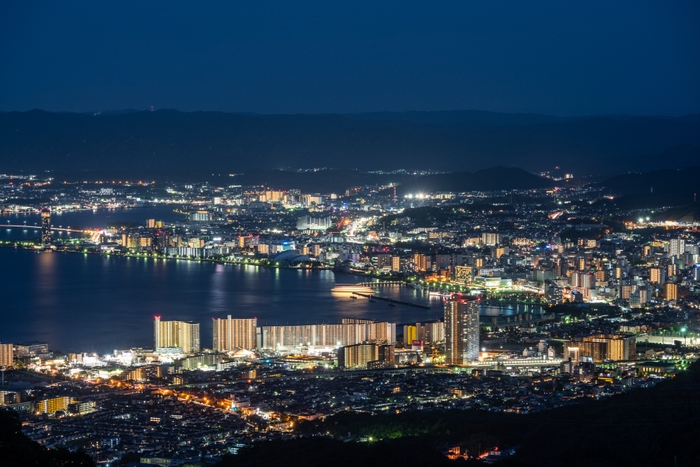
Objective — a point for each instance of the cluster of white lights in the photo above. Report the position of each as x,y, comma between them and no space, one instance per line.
418,196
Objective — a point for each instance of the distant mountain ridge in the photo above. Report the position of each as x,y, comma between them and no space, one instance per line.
654,189
492,179
455,141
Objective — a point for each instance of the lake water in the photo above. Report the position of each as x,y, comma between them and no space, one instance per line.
81,302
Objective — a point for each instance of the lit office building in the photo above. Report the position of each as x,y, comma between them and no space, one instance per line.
234,333
182,334
461,331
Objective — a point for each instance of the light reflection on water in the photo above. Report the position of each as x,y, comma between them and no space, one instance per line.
80,302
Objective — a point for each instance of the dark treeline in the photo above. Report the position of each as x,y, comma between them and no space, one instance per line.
17,450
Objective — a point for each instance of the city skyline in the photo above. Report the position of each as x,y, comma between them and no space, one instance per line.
301,234
386,300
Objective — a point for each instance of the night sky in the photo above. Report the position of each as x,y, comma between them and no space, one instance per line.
559,57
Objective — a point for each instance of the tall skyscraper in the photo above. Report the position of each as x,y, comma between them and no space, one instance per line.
234,333
461,330
45,227
183,334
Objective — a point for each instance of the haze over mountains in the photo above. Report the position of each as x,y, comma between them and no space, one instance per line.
169,141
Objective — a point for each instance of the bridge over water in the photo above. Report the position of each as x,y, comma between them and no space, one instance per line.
38,227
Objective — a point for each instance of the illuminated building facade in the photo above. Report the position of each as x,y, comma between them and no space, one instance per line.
5,355
234,333
45,227
314,223
433,331
463,274
490,238
461,331
421,262
602,347
349,332
31,349
182,334
358,355
53,405
676,247
670,291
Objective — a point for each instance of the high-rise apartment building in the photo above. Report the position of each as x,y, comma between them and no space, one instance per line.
461,330
409,334
383,260
45,227
670,291
234,333
351,331
421,262
5,356
676,247
183,334
53,405
357,355
490,238
433,331
583,280
672,270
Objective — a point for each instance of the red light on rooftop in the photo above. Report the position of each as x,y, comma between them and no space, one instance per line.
157,317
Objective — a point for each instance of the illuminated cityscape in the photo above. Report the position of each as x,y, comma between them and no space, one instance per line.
310,234
522,300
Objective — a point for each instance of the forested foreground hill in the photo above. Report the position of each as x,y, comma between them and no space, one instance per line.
645,427
17,450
